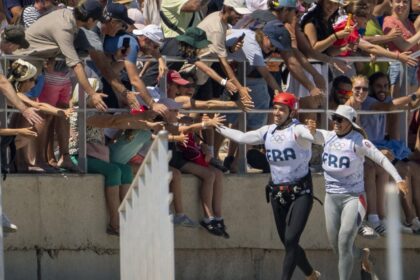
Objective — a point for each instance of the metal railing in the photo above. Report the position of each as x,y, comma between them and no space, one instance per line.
242,125
146,230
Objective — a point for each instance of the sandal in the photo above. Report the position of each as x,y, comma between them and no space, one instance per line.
112,231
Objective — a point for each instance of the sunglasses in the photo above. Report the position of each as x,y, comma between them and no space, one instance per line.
344,92
361,88
337,118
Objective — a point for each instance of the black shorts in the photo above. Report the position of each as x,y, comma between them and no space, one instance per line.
177,161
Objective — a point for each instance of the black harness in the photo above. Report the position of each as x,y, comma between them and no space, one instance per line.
287,192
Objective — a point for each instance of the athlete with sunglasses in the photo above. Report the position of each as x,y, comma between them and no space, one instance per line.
288,150
345,149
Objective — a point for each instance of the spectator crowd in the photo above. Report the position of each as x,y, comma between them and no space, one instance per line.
158,59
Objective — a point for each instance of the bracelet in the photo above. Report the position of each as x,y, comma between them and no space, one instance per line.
335,35
223,82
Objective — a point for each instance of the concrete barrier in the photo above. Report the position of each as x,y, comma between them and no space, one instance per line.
62,222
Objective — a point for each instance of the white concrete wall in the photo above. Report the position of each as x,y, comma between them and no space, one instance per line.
62,222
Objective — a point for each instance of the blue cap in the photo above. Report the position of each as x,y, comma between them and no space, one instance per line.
278,35
278,4
117,11
92,8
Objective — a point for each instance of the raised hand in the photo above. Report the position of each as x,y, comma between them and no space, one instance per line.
230,87
245,105
97,101
407,59
27,132
30,114
216,121
311,125
340,65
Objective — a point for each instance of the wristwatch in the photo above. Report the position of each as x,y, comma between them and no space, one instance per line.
413,97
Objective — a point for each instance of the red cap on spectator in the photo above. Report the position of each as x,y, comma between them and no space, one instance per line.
175,77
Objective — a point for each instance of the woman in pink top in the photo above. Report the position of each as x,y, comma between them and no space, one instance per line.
409,41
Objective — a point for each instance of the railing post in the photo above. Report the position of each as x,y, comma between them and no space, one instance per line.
163,83
242,122
393,233
81,124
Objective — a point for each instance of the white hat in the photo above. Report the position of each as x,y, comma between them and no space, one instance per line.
238,5
136,15
151,31
170,103
348,113
30,72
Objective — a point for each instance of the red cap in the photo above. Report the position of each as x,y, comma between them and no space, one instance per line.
174,77
288,99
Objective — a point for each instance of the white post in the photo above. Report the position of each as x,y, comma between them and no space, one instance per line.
393,233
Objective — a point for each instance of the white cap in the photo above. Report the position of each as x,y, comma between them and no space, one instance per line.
151,31
170,103
254,5
136,15
30,72
348,113
238,5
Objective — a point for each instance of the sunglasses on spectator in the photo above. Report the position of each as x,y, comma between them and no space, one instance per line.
361,88
337,118
344,92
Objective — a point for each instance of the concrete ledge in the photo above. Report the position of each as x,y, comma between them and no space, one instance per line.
62,221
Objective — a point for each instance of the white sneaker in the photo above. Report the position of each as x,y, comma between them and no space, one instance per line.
8,227
367,232
406,229
379,228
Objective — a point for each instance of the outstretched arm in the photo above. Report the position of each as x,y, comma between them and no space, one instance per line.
254,137
366,148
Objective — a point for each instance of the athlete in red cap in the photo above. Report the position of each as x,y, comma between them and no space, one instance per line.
288,151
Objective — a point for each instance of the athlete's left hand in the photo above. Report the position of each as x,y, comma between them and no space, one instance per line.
311,125
402,186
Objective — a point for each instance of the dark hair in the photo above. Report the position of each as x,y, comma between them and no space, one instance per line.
358,8
338,80
80,13
372,79
341,80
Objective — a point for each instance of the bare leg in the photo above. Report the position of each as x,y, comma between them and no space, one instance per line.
382,178
123,191
370,187
217,191
207,178
415,182
112,197
406,202
175,188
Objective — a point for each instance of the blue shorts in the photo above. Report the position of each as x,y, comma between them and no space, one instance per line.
395,70
261,99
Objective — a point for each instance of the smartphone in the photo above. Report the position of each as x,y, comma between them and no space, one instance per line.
125,45
138,111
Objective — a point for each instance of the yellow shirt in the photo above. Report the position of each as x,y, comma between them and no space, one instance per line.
172,10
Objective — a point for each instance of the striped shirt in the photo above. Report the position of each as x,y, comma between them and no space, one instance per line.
30,15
